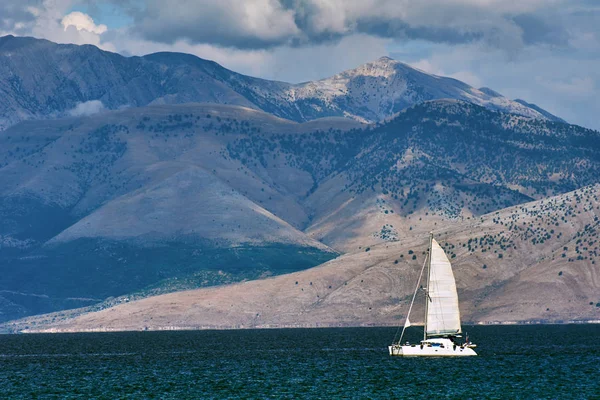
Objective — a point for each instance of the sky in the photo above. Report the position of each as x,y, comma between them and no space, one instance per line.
543,51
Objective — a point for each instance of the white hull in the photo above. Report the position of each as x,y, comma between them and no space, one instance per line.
437,348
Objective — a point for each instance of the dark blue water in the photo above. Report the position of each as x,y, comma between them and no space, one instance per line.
557,362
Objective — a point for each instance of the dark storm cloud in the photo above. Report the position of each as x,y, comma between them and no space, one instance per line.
302,23
396,29
228,23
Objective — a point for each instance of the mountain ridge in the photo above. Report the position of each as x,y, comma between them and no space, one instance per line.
67,77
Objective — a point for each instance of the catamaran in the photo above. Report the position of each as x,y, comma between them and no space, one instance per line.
442,316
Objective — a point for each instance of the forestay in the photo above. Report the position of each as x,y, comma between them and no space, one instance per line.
443,315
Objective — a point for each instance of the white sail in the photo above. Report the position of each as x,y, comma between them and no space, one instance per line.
443,316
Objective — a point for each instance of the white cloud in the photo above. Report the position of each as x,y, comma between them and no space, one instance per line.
81,22
87,108
52,20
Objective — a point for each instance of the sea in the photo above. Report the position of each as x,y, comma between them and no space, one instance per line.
514,362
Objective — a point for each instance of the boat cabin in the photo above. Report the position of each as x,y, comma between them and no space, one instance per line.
438,342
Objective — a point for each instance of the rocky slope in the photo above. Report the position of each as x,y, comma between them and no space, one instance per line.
102,206
166,198
535,262
40,79
437,161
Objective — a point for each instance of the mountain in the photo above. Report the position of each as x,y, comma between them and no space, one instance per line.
94,207
535,262
436,161
43,80
170,197
380,89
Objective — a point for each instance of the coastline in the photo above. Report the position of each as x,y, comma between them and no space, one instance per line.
56,330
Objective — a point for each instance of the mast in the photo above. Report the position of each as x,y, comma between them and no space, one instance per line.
427,286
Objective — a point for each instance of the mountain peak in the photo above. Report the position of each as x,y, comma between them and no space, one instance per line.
387,66
490,92
385,59
383,66
383,62
10,43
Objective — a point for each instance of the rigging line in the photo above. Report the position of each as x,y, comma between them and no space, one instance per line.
411,304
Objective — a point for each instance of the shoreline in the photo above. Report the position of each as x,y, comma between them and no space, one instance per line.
274,327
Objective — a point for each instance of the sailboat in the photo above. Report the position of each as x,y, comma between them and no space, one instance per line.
442,316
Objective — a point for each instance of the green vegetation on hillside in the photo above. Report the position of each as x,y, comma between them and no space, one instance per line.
442,157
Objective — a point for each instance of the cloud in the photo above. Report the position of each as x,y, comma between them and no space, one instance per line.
267,24
247,24
87,108
290,64
323,60
17,16
81,22
263,24
52,20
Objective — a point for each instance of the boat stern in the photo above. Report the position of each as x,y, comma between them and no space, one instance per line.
395,350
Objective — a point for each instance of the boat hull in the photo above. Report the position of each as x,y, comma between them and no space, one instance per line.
448,349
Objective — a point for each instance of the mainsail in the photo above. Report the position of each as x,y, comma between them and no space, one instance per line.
443,316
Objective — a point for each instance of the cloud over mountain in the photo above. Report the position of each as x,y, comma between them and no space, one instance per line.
81,21
87,108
